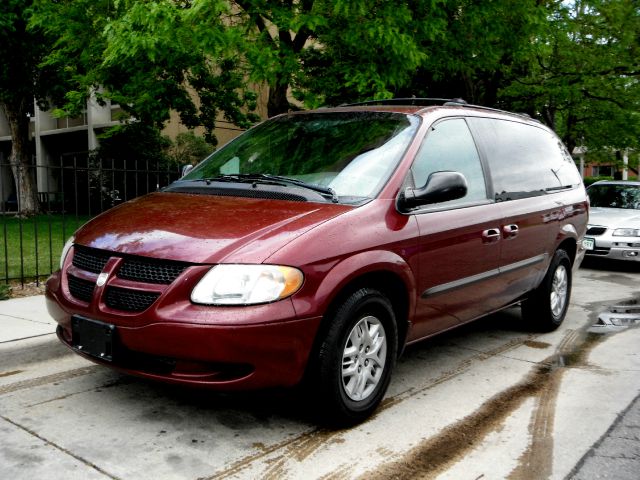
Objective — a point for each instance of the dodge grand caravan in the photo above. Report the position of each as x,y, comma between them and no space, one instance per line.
318,244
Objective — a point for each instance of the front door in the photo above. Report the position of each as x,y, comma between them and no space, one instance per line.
460,240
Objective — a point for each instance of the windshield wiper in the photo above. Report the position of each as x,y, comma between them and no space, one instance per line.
265,178
299,183
555,189
238,178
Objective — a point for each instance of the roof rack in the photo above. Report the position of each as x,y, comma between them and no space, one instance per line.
433,102
420,102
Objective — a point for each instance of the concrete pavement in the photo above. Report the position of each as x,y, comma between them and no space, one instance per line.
616,454
23,318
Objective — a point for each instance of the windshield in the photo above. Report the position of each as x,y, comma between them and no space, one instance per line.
615,196
351,153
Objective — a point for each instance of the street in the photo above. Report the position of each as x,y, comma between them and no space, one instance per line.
489,400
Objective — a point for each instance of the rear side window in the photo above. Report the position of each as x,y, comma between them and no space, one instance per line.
524,160
610,195
449,146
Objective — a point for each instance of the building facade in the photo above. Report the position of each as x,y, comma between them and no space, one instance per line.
56,139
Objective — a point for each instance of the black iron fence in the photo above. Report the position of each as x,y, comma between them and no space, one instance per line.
70,192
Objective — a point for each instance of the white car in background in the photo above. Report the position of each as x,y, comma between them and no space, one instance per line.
614,220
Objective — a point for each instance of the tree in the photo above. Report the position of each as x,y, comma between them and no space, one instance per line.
322,50
23,79
582,79
156,55
485,45
188,148
148,57
368,50
574,65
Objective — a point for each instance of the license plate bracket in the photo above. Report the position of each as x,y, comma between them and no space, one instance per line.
94,338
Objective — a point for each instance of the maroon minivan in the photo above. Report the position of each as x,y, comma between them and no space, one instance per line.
318,244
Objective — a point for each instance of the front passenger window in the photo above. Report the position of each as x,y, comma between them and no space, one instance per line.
450,146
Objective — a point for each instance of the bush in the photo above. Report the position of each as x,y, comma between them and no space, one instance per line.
188,148
589,180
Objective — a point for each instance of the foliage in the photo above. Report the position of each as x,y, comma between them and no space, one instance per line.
573,65
481,47
333,51
188,148
134,141
582,78
5,290
23,79
589,180
147,57
155,55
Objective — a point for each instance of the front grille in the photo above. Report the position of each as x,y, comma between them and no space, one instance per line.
138,269
80,289
596,230
151,271
90,259
132,267
129,300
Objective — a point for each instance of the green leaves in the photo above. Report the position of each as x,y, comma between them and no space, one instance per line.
582,76
572,64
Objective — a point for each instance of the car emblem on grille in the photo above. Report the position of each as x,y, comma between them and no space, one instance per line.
102,279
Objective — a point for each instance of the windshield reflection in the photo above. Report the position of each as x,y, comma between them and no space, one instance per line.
353,153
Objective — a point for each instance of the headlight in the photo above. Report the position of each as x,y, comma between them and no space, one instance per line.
65,250
626,232
246,284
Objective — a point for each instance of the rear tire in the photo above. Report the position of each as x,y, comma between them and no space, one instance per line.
547,305
356,358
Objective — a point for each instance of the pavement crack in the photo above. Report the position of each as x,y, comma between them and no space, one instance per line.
26,338
60,448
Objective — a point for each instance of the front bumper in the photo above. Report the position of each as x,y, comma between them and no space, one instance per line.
218,349
616,248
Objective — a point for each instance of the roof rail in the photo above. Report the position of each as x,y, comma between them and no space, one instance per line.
426,102
434,102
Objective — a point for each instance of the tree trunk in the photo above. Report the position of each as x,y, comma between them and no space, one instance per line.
277,102
26,190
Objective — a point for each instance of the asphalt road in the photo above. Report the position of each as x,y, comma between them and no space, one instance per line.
490,400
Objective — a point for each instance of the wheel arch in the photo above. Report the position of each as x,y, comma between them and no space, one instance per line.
386,282
383,271
569,245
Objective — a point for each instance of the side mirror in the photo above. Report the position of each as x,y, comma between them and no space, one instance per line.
440,187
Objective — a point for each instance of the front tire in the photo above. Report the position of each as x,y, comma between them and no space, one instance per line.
547,306
356,358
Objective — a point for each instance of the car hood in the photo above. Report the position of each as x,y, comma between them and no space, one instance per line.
202,228
614,217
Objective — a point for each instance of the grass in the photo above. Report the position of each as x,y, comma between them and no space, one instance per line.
30,248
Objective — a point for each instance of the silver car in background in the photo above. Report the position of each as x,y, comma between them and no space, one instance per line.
614,220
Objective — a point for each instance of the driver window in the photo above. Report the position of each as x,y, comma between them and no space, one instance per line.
450,146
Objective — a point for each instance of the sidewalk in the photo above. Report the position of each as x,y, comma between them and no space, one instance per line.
26,317
616,455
